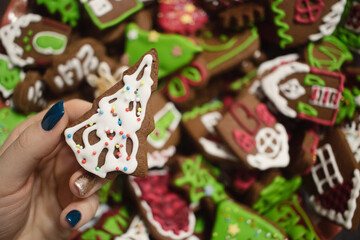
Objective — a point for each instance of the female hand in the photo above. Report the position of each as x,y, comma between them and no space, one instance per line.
44,193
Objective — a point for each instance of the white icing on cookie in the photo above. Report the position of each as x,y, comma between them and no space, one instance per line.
124,125
77,68
352,135
169,234
216,149
169,107
158,159
272,148
8,92
10,32
270,85
330,21
346,218
292,89
270,64
137,231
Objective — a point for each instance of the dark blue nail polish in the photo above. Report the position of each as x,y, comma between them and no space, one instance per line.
53,116
73,217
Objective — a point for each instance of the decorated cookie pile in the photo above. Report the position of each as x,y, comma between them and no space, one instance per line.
235,119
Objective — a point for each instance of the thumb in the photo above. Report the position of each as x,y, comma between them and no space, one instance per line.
37,141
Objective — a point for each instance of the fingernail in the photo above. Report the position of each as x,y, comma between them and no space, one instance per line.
53,116
84,184
73,217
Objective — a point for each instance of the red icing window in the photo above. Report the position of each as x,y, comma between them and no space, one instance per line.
337,197
244,140
308,11
168,208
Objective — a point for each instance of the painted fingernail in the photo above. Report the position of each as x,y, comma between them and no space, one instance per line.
84,183
73,217
53,116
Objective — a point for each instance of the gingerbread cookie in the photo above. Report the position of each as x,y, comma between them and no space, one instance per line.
196,179
292,218
167,215
334,182
242,15
166,135
33,40
349,28
10,76
303,145
108,13
300,91
237,221
221,53
69,10
292,23
254,135
175,51
330,54
28,95
200,124
181,16
68,70
111,137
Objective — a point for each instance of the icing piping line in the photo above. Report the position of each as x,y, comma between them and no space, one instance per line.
283,27
196,111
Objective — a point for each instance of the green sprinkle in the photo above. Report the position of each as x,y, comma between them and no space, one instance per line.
28,48
223,38
30,32
97,168
25,39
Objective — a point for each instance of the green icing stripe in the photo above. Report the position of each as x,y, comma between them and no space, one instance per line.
283,27
196,111
239,83
254,36
218,48
121,17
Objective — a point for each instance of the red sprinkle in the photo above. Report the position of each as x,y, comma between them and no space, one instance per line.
108,132
121,132
128,158
86,126
139,119
121,145
117,168
106,143
83,161
127,109
94,153
112,111
118,153
128,135
78,151
111,138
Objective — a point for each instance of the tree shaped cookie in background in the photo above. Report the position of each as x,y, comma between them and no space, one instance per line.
111,137
10,76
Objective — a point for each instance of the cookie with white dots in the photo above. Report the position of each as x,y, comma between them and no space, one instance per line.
111,138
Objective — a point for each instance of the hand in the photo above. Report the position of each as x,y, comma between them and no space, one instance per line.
44,193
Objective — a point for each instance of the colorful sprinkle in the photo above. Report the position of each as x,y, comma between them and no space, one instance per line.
106,143
83,161
117,168
121,132
128,135
128,158
127,109
124,90
97,168
125,168
138,119
121,145
69,135
119,122
139,109
77,145
128,88
94,153
78,151
123,136
142,83
111,138
117,145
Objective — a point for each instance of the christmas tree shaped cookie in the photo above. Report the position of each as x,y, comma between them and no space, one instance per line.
111,137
